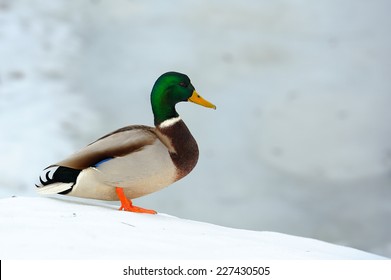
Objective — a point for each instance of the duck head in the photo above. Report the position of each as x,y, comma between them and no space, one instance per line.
170,89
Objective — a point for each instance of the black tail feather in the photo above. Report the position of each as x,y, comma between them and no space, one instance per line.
58,174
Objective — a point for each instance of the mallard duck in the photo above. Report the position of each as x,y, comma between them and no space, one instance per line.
136,160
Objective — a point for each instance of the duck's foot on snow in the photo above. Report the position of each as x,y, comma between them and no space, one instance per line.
127,205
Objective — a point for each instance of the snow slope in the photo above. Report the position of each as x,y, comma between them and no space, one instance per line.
51,228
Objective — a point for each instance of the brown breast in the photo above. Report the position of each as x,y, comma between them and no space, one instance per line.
182,146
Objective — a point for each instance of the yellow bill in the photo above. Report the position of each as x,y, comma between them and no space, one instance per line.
196,98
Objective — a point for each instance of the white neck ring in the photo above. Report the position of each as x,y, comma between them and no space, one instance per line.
169,122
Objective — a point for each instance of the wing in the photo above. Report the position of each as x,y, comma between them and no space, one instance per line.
118,143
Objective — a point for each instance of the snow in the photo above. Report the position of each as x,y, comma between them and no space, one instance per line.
52,228
298,144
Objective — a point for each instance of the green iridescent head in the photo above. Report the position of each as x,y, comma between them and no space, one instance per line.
170,89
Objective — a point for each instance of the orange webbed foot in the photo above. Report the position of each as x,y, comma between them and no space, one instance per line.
127,205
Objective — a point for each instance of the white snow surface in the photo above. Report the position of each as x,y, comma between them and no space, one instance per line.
49,228
299,143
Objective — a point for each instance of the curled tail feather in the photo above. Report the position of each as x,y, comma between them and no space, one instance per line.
57,179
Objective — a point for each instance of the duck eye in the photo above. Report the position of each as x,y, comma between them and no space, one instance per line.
182,84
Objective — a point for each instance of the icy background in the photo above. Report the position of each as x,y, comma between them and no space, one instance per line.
299,143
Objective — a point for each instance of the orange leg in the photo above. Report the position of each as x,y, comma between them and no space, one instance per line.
126,204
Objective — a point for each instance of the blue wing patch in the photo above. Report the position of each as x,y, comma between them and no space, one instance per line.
102,161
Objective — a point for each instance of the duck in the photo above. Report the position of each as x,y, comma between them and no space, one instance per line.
135,160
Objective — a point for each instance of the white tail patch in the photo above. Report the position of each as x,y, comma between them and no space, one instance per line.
169,122
55,188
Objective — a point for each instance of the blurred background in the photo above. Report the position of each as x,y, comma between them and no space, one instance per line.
300,140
